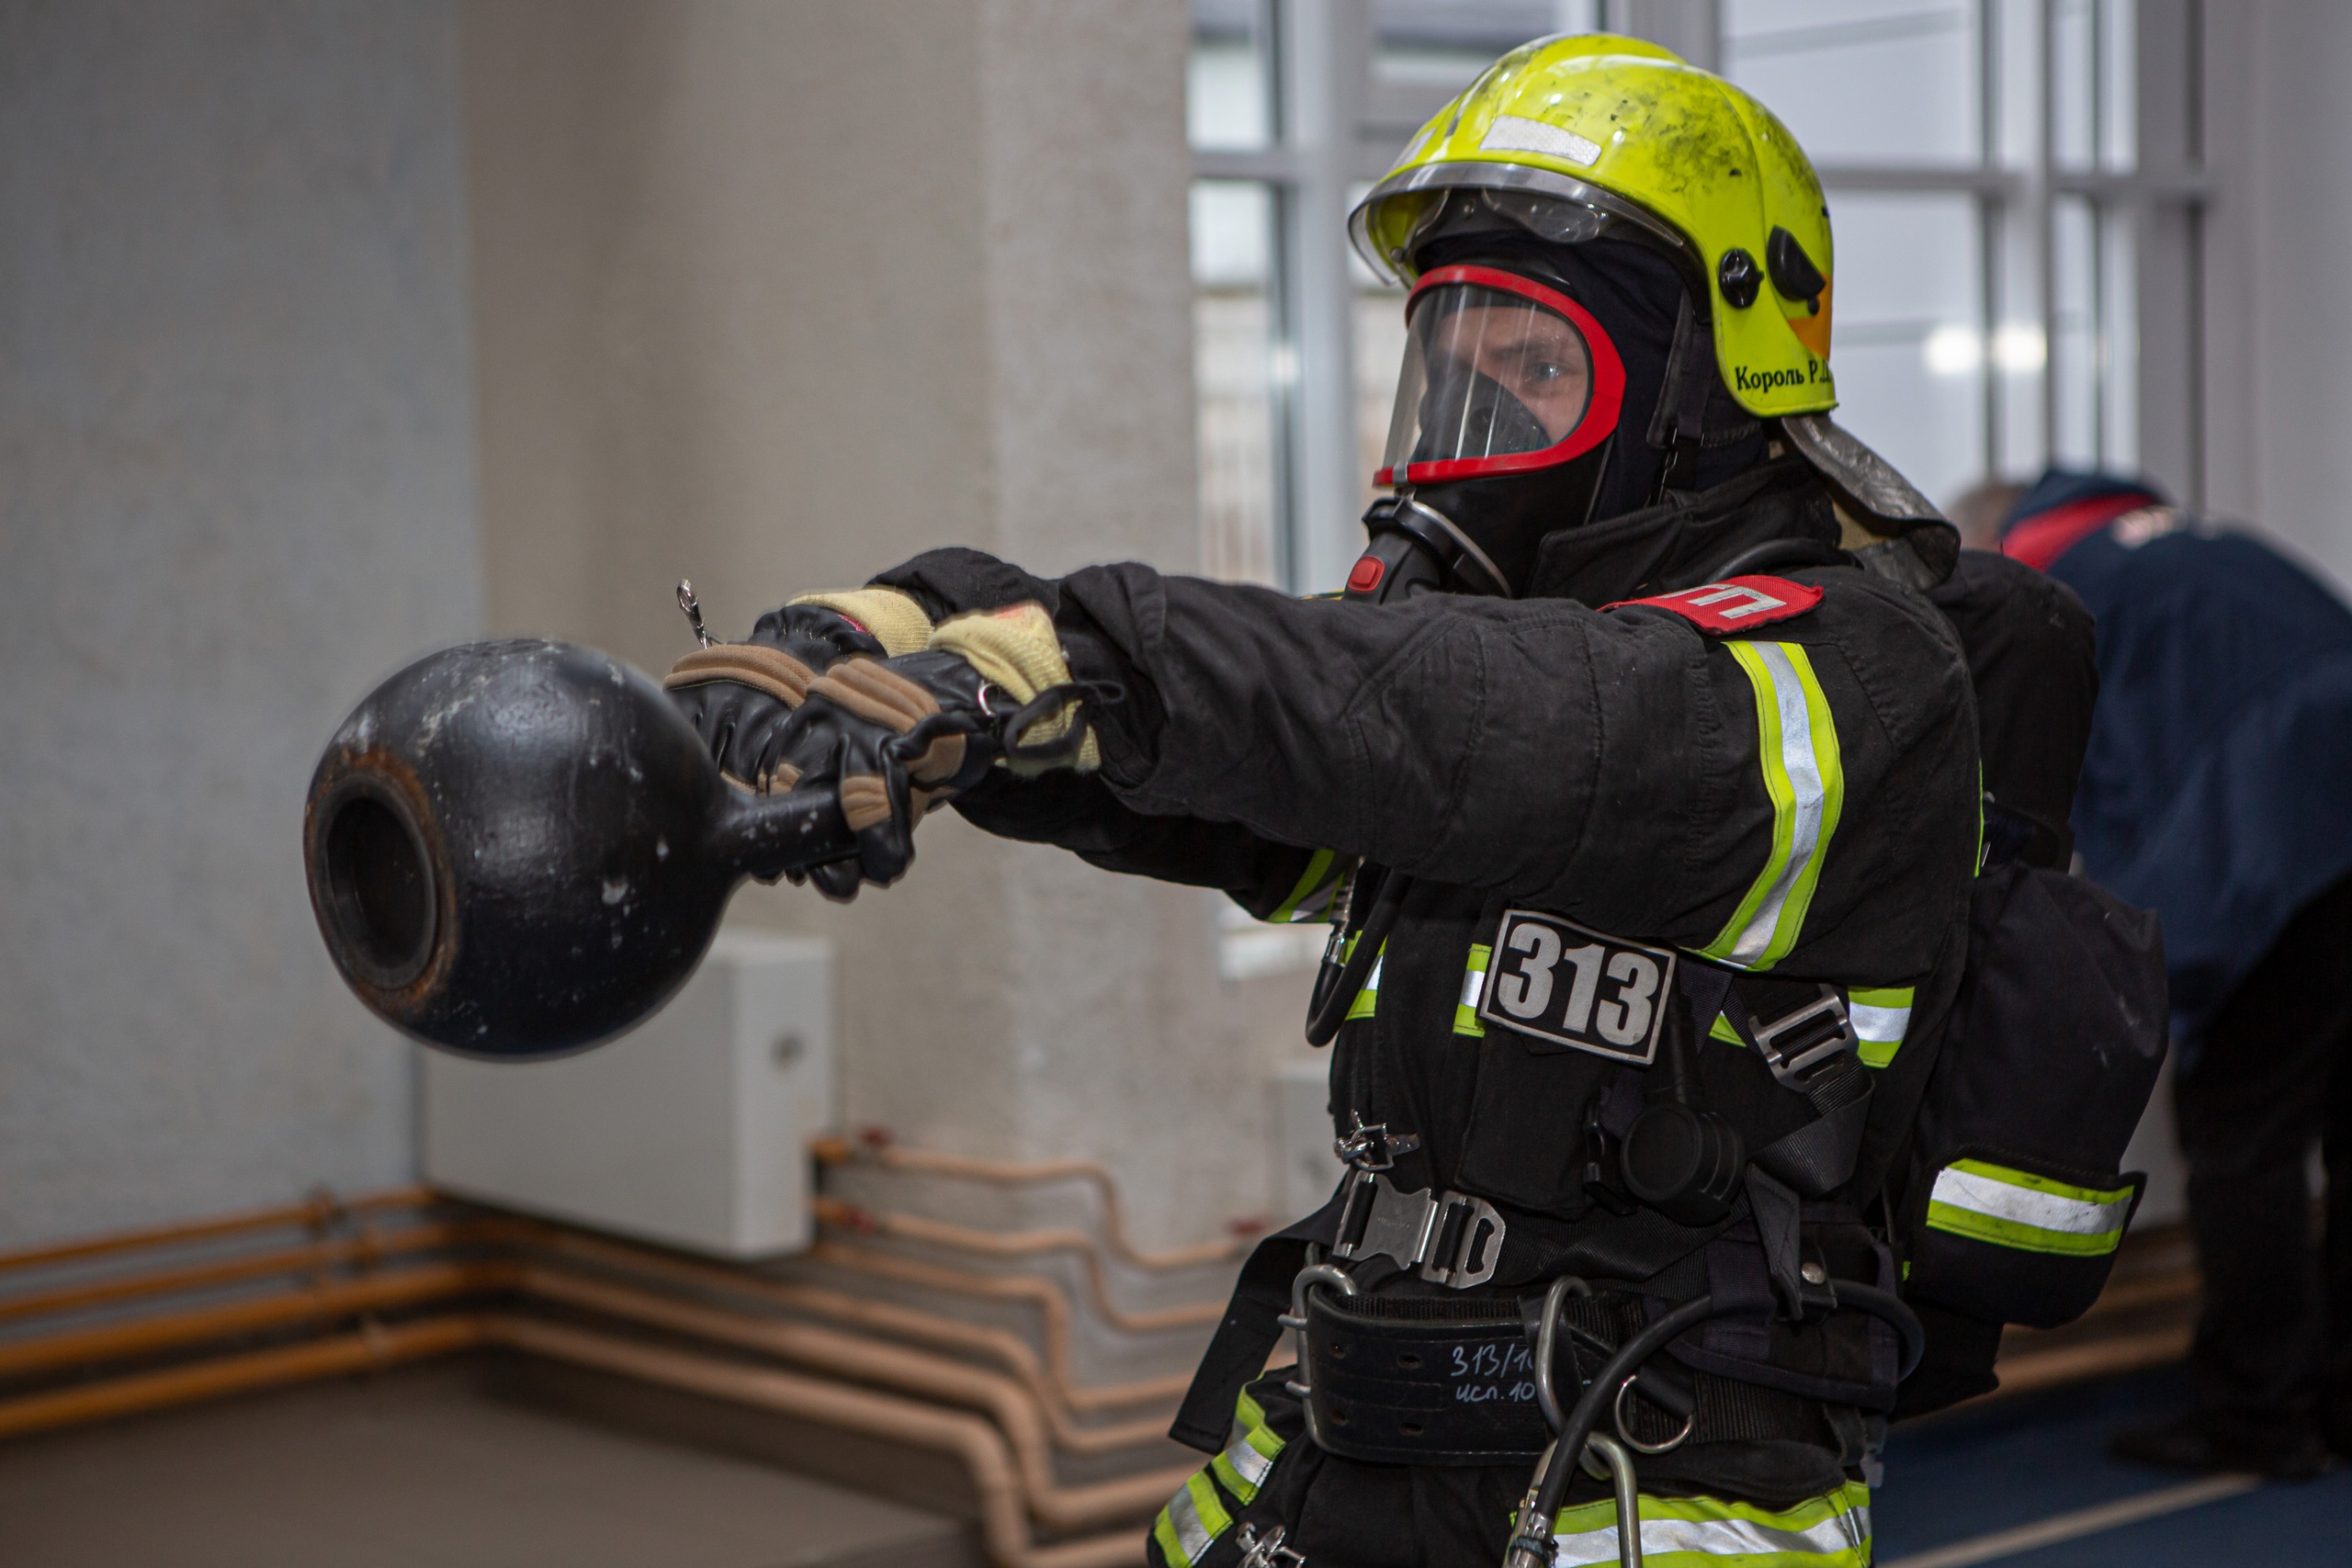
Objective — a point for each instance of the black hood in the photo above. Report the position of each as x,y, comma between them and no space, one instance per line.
1688,538
1636,294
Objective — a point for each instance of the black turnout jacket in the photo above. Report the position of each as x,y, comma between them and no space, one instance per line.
1615,764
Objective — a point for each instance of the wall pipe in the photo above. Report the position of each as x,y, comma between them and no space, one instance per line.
1018,1407
876,1147
364,1251
1004,1529
1003,1398
408,1287
1017,1244
320,1211
372,1346
1030,1290
1003,1346
908,1371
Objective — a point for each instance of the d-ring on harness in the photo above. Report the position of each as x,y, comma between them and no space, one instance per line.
1618,1462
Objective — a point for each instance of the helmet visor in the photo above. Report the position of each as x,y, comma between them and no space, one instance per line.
1502,375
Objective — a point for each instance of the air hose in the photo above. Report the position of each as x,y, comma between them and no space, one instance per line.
1337,985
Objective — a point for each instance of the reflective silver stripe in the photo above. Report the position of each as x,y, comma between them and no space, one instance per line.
1835,1540
2028,1205
1882,1024
1246,1461
1806,779
1191,1535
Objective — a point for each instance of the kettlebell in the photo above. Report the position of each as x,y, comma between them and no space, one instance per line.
516,850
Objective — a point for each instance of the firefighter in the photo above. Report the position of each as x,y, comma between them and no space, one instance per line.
1638,776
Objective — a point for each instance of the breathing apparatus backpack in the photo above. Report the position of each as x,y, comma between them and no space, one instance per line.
2009,1201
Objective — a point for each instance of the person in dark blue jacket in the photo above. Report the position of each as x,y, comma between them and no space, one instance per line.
2218,791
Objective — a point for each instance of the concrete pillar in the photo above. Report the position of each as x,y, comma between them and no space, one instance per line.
235,490
775,295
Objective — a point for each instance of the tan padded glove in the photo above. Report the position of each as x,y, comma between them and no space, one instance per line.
1016,648
896,621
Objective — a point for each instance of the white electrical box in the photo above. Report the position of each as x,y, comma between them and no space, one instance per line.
692,1130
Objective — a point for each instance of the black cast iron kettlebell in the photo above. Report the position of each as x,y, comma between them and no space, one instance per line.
516,850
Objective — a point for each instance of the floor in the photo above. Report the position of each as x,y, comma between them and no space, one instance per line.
425,1470
428,1469
2026,1483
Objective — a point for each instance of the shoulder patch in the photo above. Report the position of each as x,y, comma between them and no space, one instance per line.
1735,604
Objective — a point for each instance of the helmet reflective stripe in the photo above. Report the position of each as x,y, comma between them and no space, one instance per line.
1629,131
1880,1018
1832,1531
2032,1213
1797,738
1191,1523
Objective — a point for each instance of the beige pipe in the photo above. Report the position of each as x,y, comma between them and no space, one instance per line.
971,1439
372,1346
1003,1528
908,1371
1000,1345
1029,1290
320,1210
1018,1244
878,1148
319,1303
362,1250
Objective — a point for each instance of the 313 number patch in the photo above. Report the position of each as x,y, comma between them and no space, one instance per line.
1558,982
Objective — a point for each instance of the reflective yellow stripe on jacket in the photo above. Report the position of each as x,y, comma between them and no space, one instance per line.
1199,1513
1797,738
1832,1531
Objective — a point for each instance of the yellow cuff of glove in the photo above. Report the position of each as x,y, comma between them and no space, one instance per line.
1016,649
896,621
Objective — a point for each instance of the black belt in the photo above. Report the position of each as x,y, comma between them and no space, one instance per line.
1419,1379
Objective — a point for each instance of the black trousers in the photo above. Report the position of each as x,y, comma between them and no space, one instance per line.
2273,1343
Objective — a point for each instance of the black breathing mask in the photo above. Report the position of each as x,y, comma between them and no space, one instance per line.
1530,400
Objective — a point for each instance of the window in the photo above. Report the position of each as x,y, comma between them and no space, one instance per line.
2002,209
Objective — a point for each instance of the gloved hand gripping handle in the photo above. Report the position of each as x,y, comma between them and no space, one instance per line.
768,835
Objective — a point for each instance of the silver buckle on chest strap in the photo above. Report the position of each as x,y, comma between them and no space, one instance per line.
1452,1238
1798,1045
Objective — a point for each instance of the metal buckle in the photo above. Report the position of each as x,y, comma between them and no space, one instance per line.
1452,1238
1804,1059
1295,1320
1268,1550
1373,1147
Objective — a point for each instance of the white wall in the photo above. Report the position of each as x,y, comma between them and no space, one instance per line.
235,489
773,295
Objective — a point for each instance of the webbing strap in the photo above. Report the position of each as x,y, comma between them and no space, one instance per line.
1246,1336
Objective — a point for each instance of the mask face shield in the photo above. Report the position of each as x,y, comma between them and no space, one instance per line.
1502,375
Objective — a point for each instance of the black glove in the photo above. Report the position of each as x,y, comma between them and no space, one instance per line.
738,694
900,738
896,738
